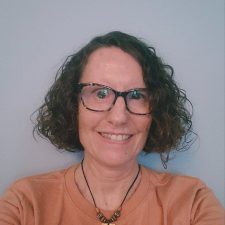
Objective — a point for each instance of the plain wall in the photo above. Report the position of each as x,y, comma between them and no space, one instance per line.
36,37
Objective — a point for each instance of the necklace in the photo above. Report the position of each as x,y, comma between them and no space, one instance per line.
117,212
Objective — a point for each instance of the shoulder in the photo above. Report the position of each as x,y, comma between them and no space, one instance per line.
39,184
174,188
30,197
54,176
164,179
184,197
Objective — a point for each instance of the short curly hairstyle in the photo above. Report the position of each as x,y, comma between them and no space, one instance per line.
171,120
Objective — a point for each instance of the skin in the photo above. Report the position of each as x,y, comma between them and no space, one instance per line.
113,139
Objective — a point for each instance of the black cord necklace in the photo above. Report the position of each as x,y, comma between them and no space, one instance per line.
117,212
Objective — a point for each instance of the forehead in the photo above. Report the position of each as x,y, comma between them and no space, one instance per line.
112,66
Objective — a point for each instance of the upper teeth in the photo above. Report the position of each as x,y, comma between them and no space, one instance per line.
116,137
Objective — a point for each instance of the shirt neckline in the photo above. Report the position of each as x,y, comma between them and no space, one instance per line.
88,209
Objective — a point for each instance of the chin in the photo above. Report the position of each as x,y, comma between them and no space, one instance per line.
117,157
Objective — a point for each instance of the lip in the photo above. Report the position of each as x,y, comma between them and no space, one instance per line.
115,137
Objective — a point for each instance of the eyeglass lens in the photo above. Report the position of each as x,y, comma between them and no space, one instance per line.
102,98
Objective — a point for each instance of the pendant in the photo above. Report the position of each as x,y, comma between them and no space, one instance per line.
106,221
108,224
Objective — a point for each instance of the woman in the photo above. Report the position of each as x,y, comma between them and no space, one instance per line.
112,99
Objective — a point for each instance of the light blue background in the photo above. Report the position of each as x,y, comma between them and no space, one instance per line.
36,37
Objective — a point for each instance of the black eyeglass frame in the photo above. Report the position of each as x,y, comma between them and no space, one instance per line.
123,94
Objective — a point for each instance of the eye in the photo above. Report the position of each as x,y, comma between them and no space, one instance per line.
102,93
136,94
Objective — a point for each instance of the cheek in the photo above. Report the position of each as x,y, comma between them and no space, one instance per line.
83,128
149,124
79,119
87,122
144,127
82,123
145,123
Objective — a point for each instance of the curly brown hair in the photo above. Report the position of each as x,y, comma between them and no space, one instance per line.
171,120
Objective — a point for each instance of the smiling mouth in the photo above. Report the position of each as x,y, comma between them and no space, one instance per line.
116,137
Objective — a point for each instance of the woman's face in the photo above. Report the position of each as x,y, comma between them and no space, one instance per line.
113,137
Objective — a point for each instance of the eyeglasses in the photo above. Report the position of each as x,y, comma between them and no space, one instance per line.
100,98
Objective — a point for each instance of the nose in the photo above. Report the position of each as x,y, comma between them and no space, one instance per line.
118,113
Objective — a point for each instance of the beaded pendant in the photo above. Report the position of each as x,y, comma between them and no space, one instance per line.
108,224
117,213
106,221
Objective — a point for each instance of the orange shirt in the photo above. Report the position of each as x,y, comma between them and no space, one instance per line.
160,199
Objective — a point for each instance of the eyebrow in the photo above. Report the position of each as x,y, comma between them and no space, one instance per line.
107,86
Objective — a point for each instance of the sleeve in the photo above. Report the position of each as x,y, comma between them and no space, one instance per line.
206,209
10,208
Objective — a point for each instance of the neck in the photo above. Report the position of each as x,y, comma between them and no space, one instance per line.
109,185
